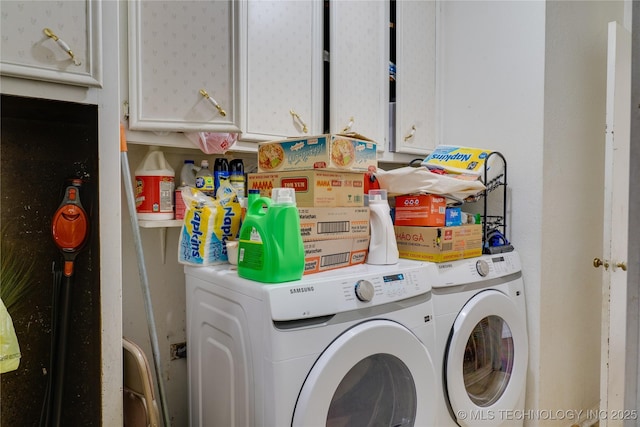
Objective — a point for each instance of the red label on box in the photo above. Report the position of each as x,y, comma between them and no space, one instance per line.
299,184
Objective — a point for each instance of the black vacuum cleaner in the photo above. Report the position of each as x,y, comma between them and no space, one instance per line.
70,230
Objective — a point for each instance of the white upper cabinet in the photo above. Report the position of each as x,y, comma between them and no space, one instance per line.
54,41
359,68
281,69
183,65
416,76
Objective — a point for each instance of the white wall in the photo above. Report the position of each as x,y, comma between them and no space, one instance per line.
575,91
527,78
493,97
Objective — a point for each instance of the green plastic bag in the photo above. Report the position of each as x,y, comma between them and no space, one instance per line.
9,348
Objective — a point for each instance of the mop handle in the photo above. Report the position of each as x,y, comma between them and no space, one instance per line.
144,281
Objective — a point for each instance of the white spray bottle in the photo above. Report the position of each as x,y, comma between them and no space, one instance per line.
383,248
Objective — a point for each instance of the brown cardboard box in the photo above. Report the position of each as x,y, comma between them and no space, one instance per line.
439,244
342,152
314,188
333,223
323,255
420,210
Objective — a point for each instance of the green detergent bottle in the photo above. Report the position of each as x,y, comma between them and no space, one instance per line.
270,248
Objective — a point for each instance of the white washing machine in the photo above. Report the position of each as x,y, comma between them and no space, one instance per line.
482,342
348,347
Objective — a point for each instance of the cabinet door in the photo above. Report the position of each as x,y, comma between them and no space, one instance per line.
416,121
183,65
359,64
281,69
52,41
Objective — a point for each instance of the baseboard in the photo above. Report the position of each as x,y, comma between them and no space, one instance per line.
589,418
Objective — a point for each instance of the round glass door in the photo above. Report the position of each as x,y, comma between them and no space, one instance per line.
486,359
378,391
374,374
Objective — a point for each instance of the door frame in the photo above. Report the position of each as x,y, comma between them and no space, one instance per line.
632,395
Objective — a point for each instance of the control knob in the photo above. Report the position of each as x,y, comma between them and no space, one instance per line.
364,290
482,267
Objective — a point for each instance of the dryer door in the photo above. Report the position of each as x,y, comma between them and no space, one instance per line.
486,360
373,374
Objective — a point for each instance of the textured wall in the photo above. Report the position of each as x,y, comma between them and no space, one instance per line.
43,143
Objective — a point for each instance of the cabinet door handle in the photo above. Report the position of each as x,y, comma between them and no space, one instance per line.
213,102
348,127
413,132
299,120
63,45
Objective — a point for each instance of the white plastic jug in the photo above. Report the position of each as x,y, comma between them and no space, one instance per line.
383,248
155,184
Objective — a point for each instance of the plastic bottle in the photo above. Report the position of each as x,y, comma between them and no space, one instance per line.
188,174
155,184
254,194
204,179
220,172
236,176
246,202
383,248
271,248
187,179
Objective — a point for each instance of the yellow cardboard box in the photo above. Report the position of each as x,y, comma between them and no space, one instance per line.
317,188
438,244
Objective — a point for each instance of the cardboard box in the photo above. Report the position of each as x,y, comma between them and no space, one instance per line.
323,255
457,160
317,188
439,244
420,210
348,152
333,223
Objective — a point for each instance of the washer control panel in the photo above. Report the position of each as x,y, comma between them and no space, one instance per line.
365,286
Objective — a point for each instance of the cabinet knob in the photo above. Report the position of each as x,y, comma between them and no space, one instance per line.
206,96
413,132
597,262
621,265
63,45
299,120
347,128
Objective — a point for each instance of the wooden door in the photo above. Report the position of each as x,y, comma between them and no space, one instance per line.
616,227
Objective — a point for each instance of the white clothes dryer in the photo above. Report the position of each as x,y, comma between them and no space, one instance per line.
482,341
348,347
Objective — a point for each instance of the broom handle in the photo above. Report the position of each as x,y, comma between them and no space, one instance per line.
144,281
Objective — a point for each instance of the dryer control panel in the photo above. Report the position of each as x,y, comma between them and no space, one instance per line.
485,267
365,286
